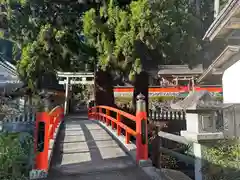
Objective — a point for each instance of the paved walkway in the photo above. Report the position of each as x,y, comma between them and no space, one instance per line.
86,151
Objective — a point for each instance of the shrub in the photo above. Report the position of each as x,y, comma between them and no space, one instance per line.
222,160
15,156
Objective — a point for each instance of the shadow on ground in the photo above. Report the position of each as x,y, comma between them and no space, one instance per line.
84,149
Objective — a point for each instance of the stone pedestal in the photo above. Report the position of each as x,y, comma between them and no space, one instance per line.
201,129
199,141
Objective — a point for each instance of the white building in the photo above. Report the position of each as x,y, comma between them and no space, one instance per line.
224,34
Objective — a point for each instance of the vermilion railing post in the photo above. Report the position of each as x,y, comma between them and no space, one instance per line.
99,114
127,138
112,123
108,114
118,127
92,113
141,129
42,140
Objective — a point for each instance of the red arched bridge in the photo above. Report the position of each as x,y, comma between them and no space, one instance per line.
99,144
92,145
96,145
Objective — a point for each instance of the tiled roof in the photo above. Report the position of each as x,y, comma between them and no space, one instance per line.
222,19
180,69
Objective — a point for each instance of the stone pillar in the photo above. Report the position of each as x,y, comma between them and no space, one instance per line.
200,137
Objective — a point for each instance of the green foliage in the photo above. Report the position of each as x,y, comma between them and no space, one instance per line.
223,3
1,34
223,160
48,34
86,93
219,98
168,162
52,50
15,156
126,37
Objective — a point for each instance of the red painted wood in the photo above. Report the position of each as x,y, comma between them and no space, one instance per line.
142,149
51,120
42,157
169,89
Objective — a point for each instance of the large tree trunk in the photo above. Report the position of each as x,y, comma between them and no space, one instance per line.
140,86
104,89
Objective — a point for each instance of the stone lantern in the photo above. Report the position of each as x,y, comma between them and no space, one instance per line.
204,118
204,122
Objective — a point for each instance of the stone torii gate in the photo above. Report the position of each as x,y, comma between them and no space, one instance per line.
72,78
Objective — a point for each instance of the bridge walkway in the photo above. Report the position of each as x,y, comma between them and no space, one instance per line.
84,150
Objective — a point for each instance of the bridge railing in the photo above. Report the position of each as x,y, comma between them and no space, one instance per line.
46,131
115,118
104,114
56,115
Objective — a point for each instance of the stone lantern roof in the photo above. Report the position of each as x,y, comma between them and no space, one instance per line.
197,100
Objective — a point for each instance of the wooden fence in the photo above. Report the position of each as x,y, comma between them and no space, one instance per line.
168,121
163,115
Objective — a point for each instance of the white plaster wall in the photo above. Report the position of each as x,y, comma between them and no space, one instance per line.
231,84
